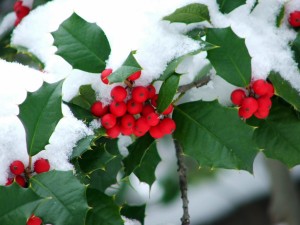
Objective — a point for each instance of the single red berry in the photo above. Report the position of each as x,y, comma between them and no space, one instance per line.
140,94
105,73
138,133
22,11
168,110
17,167
151,91
152,119
9,181
167,126
147,109
108,120
34,220
135,76
118,93
126,131
260,87
97,109
113,132
128,121
141,125
20,180
264,102
17,5
262,113
294,19
270,90
237,96
134,107
41,165
118,108
245,114
249,104
154,100
156,132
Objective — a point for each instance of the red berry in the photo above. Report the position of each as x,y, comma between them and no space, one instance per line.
168,110
260,87
237,96
264,102
34,220
249,104
140,94
118,108
17,167
126,131
262,113
105,73
154,100
151,91
270,90
135,76
294,19
152,119
20,180
22,11
17,5
147,109
138,133
108,121
156,132
134,107
128,121
113,132
41,165
245,114
118,93
9,181
141,126
97,109
167,126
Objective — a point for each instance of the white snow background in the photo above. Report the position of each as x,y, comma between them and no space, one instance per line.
129,25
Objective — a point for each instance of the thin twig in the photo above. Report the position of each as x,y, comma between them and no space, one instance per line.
185,219
197,84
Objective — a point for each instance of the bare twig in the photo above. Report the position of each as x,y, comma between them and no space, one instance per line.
196,84
185,219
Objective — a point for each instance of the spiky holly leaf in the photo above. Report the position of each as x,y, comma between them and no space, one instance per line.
17,204
66,196
214,135
82,146
81,113
231,60
226,6
86,48
40,113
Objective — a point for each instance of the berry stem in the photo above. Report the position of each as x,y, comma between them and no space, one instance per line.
28,168
128,83
185,219
197,84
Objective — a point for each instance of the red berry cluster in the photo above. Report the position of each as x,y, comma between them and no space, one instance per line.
21,11
34,220
133,111
257,102
294,19
17,168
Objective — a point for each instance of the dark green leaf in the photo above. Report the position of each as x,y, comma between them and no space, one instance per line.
104,209
196,34
278,135
214,135
129,67
86,48
280,16
134,212
226,6
231,60
254,5
40,113
88,93
17,204
167,92
80,112
67,201
296,49
82,146
192,13
285,90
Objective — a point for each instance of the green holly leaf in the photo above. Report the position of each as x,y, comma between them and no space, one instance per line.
17,204
226,6
142,159
214,135
86,48
192,13
285,90
81,113
167,92
82,146
104,210
86,97
296,49
280,16
134,212
128,67
40,113
67,203
277,135
231,60
254,5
